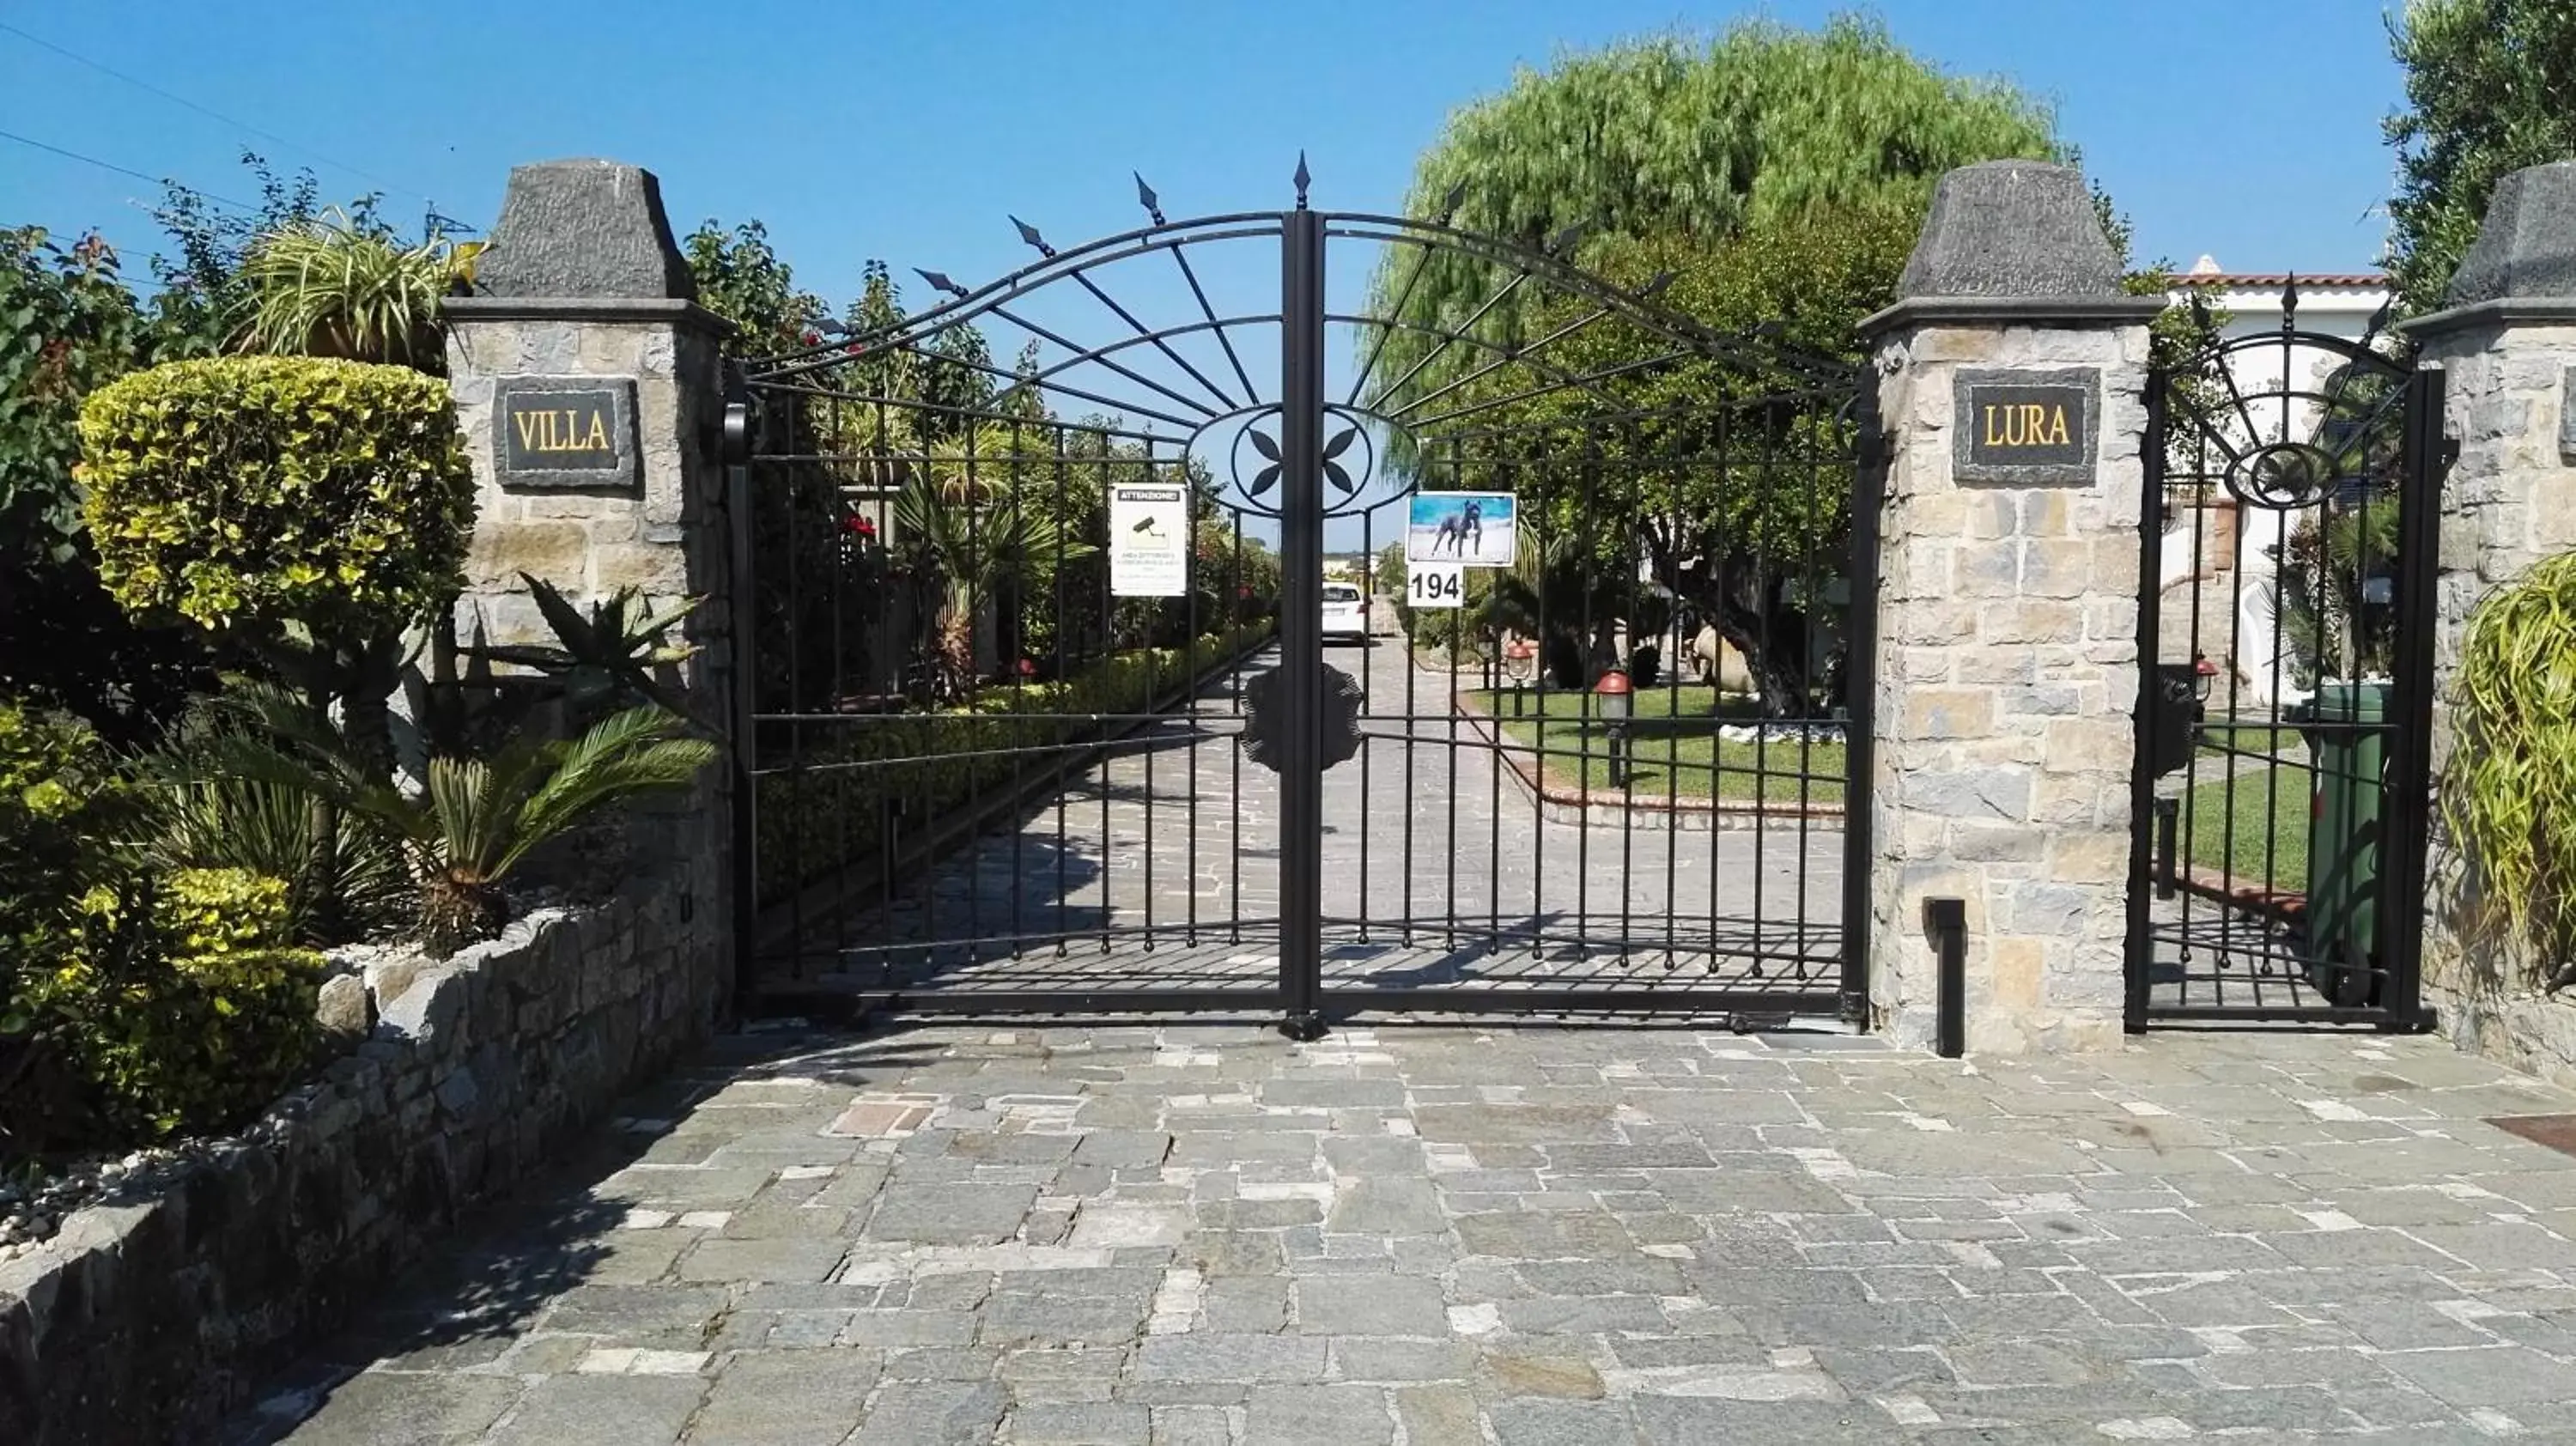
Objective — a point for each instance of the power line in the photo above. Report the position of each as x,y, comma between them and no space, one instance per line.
207,111
242,206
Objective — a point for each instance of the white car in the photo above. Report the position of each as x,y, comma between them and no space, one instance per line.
1346,613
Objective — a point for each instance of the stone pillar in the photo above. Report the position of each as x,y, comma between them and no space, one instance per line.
588,385
2010,387
2506,344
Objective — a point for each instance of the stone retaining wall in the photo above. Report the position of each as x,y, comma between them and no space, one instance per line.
148,1319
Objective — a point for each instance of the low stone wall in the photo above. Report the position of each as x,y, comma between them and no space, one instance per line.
148,1319
2534,1033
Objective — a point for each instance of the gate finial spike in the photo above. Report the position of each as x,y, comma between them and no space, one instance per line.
1145,198
1450,203
1562,244
939,282
2379,319
2290,302
1302,179
1030,234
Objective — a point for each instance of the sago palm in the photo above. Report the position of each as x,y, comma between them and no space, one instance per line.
478,819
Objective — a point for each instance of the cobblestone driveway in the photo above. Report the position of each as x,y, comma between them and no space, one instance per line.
1204,1234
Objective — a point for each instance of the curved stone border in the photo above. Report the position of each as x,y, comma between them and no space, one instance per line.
148,1317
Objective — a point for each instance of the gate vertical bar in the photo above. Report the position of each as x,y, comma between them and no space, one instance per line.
1301,609
2140,954
2407,792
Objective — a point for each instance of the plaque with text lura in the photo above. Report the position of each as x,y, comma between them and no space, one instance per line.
2029,427
563,433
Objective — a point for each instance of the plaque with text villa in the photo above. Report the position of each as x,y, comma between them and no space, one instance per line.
565,434
2034,428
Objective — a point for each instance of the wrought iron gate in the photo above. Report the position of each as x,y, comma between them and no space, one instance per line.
980,778
2282,798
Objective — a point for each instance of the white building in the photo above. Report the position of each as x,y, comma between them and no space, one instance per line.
2219,552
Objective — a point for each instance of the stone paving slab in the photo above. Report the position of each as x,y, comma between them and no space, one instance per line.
1204,1234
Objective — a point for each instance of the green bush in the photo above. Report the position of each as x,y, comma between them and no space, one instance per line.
58,796
134,1003
334,494
179,1005
833,814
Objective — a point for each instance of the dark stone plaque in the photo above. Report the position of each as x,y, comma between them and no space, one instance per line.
2035,428
2567,416
559,433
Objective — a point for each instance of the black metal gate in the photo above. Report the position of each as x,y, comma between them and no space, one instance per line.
2282,798
982,776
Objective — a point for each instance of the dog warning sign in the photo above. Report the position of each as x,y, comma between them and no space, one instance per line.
1462,529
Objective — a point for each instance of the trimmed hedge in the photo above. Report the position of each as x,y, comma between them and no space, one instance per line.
267,488
831,815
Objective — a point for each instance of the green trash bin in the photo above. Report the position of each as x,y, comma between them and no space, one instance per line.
2349,749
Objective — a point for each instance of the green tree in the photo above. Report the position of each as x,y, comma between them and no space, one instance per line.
1759,127
741,279
1766,184
68,326
2488,91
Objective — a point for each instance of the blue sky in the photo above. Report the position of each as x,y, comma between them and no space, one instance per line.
2247,128
909,131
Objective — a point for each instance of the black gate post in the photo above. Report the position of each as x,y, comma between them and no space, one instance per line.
1860,696
2407,791
2138,954
735,439
1301,594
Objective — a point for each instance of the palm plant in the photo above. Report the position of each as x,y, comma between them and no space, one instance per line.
207,810
2326,568
967,537
475,821
333,287
479,819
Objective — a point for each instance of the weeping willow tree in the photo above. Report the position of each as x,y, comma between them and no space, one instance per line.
1762,127
1769,180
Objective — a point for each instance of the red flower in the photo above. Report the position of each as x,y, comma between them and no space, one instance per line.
1028,668
859,527
813,338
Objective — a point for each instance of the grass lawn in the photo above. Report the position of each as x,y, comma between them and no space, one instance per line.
1674,750
2243,738
2269,842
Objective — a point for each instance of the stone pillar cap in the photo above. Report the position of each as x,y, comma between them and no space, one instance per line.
2526,246
2012,242
588,229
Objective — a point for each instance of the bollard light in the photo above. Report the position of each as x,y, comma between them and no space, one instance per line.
1518,659
1615,694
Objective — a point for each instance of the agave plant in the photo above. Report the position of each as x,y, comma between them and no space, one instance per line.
610,652
479,819
331,287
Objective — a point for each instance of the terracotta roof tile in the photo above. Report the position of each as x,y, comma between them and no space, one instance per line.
2264,280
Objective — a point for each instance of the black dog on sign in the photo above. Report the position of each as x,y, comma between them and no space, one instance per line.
1456,533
